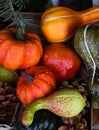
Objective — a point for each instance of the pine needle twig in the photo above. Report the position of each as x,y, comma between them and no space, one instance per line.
9,13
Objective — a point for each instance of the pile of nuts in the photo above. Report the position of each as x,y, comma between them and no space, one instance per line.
8,102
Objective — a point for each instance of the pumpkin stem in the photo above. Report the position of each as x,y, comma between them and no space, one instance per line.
20,33
29,78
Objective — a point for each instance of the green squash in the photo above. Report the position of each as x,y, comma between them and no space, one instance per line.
86,44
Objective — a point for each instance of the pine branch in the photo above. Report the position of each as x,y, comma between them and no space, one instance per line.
9,13
21,4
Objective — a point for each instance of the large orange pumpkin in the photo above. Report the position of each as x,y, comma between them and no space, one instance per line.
35,83
19,54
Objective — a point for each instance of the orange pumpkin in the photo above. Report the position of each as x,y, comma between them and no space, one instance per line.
37,82
19,54
59,24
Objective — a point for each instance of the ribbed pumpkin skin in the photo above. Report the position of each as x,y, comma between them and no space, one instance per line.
42,84
19,54
86,44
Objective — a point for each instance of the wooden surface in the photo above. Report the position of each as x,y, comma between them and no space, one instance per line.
95,119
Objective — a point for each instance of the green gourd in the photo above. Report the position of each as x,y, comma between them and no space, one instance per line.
86,44
63,102
8,76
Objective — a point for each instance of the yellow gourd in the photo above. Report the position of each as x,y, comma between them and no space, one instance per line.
59,24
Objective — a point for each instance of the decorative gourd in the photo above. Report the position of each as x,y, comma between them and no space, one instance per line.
8,76
63,102
59,24
19,53
36,82
43,120
62,60
86,43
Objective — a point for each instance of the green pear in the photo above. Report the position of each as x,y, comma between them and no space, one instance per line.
8,76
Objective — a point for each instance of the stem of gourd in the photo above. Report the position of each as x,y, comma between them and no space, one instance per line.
20,33
28,114
90,16
29,78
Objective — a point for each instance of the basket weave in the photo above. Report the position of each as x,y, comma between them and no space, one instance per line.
8,111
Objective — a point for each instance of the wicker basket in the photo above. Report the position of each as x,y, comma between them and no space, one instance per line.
34,25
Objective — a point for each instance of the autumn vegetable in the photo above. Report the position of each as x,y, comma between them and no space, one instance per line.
36,82
43,120
19,48
8,76
62,60
63,102
19,54
86,44
59,24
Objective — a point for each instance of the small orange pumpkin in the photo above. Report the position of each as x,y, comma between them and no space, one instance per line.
37,82
19,54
